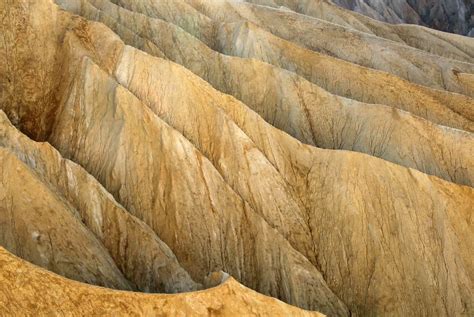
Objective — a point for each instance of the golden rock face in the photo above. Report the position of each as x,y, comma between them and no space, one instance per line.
312,155
32,290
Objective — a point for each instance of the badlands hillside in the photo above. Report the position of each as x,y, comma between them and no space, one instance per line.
455,16
233,151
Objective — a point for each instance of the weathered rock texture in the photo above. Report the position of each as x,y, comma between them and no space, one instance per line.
314,155
38,169
456,16
33,291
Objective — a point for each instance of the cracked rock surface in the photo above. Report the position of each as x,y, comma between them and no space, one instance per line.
286,147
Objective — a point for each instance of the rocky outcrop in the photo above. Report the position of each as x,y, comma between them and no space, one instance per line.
178,139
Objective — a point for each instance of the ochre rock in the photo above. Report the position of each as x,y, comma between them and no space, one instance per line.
33,291
312,154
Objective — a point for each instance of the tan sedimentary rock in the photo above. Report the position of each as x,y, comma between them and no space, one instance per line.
332,39
201,170
165,39
311,184
33,291
143,258
37,225
171,186
350,80
304,110
432,41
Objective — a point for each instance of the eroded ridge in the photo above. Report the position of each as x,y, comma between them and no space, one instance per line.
147,145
